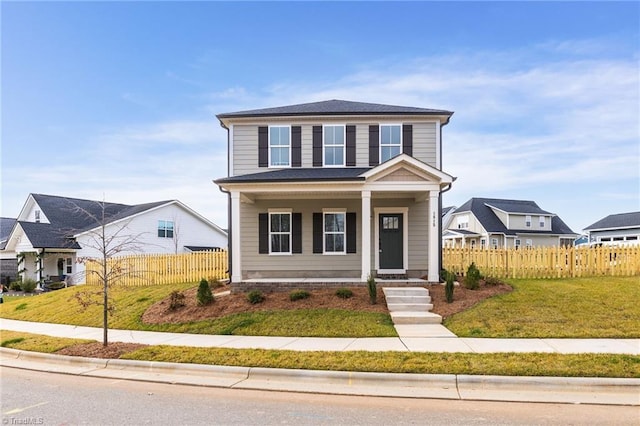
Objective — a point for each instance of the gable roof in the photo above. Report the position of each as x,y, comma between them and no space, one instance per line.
46,235
446,210
334,107
620,220
6,225
481,209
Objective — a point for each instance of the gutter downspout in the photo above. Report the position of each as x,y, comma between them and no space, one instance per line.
440,203
229,216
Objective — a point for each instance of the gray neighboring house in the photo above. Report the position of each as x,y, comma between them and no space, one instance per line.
8,261
615,229
334,190
500,223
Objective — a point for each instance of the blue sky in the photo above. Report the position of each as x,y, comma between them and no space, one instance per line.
117,101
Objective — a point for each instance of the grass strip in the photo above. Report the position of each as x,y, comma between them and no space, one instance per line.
502,364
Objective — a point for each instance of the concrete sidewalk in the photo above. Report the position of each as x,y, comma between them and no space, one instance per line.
573,390
411,339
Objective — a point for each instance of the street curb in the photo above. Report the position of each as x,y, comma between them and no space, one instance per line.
573,390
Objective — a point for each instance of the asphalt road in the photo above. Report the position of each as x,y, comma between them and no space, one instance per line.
36,398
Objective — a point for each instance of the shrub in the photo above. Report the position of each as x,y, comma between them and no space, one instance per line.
204,295
472,278
373,290
448,286
28,285
492,281
255,296
56,286
298,295
21,307
176,300
15,286
344,293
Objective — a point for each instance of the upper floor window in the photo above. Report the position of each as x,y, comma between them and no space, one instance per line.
333,145
165,228
280,233
542,221
334,232
279,146
463,221
527,221
37,215
390,141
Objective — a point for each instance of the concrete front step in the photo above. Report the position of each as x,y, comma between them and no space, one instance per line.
409,307
395,300
415,318
405,291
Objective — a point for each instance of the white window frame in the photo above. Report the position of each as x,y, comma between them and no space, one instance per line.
527,221
166,228
389,145
334,146
68,266
517,243
462,221
494,243
472,243
37,216
542,221
326,212
289,232
483,243
279,166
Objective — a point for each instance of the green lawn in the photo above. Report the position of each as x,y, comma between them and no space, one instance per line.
604,307
130,303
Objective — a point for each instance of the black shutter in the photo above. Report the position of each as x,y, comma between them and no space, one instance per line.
296,232
263,233
351,232
263,146
351,146
407,139
296,146
317,146
374,145
317,233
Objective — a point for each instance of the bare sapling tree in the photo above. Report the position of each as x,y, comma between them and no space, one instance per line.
176,234
107,240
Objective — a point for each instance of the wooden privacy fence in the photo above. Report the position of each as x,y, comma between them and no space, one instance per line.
153,269
545,262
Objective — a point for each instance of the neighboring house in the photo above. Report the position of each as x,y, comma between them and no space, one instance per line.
335,189
52,233
496,223
622,228
8,261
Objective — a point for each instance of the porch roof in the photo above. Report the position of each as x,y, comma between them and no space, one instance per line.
45,235
300,175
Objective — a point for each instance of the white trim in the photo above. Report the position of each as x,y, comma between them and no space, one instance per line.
438,145
344,232
290,233
366,235
344,145
380,141
405,238
279,166
230,153
236,253
433,238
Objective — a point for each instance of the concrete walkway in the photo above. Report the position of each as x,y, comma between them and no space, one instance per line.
572,390
413,338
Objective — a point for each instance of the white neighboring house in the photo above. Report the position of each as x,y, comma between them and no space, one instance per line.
8,266
615,229
52,233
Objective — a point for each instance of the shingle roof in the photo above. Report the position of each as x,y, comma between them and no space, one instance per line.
300,175
46,235
6,225
492,224
334,107
620,220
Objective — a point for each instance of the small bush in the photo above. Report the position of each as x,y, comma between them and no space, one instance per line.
298,295
472,278
176,300
28,285
6,343
255,296
15,286
492,281
21,306
373,290
204,295
344,293
448,286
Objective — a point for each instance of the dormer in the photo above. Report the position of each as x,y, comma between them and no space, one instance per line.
521,215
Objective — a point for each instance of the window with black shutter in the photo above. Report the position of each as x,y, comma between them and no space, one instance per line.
317,146
351,146
374,147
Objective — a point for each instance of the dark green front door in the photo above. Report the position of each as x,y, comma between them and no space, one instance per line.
391,246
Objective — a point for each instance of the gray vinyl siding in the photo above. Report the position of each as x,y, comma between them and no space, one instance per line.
245,142
418,236
424,142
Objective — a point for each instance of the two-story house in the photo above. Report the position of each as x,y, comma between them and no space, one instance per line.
498,223
334,190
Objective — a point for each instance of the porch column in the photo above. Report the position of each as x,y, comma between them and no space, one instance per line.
236,267
433,274
366,235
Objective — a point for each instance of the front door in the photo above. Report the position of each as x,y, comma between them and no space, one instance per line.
391,247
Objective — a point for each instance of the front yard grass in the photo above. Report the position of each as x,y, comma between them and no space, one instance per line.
503,364
602,307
